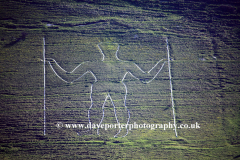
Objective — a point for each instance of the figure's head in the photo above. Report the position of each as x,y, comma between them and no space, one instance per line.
109,51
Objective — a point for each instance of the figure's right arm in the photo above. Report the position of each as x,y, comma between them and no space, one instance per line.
69,77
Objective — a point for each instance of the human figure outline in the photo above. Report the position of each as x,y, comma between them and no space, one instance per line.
121,67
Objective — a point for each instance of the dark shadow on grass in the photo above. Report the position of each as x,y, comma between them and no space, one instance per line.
236,157
22,38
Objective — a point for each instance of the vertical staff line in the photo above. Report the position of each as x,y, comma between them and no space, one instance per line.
44,85
170,79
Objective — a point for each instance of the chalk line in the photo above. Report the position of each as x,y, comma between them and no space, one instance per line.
155,66
127,110
156,74
114,112
44,84
103,113
170,79
44,59
69,72
101,51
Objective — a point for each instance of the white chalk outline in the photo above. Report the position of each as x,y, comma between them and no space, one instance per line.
170,79
44,85
44,59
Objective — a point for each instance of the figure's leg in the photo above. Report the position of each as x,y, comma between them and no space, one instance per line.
96,110
94,113
122,114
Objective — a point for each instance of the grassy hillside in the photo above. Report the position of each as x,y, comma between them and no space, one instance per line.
203,39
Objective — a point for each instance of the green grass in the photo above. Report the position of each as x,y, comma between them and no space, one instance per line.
205,91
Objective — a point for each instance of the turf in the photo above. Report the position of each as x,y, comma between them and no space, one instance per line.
203,41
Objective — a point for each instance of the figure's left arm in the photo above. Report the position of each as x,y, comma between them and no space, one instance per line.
144,76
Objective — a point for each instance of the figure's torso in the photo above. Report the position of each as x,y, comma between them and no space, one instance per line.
113,71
